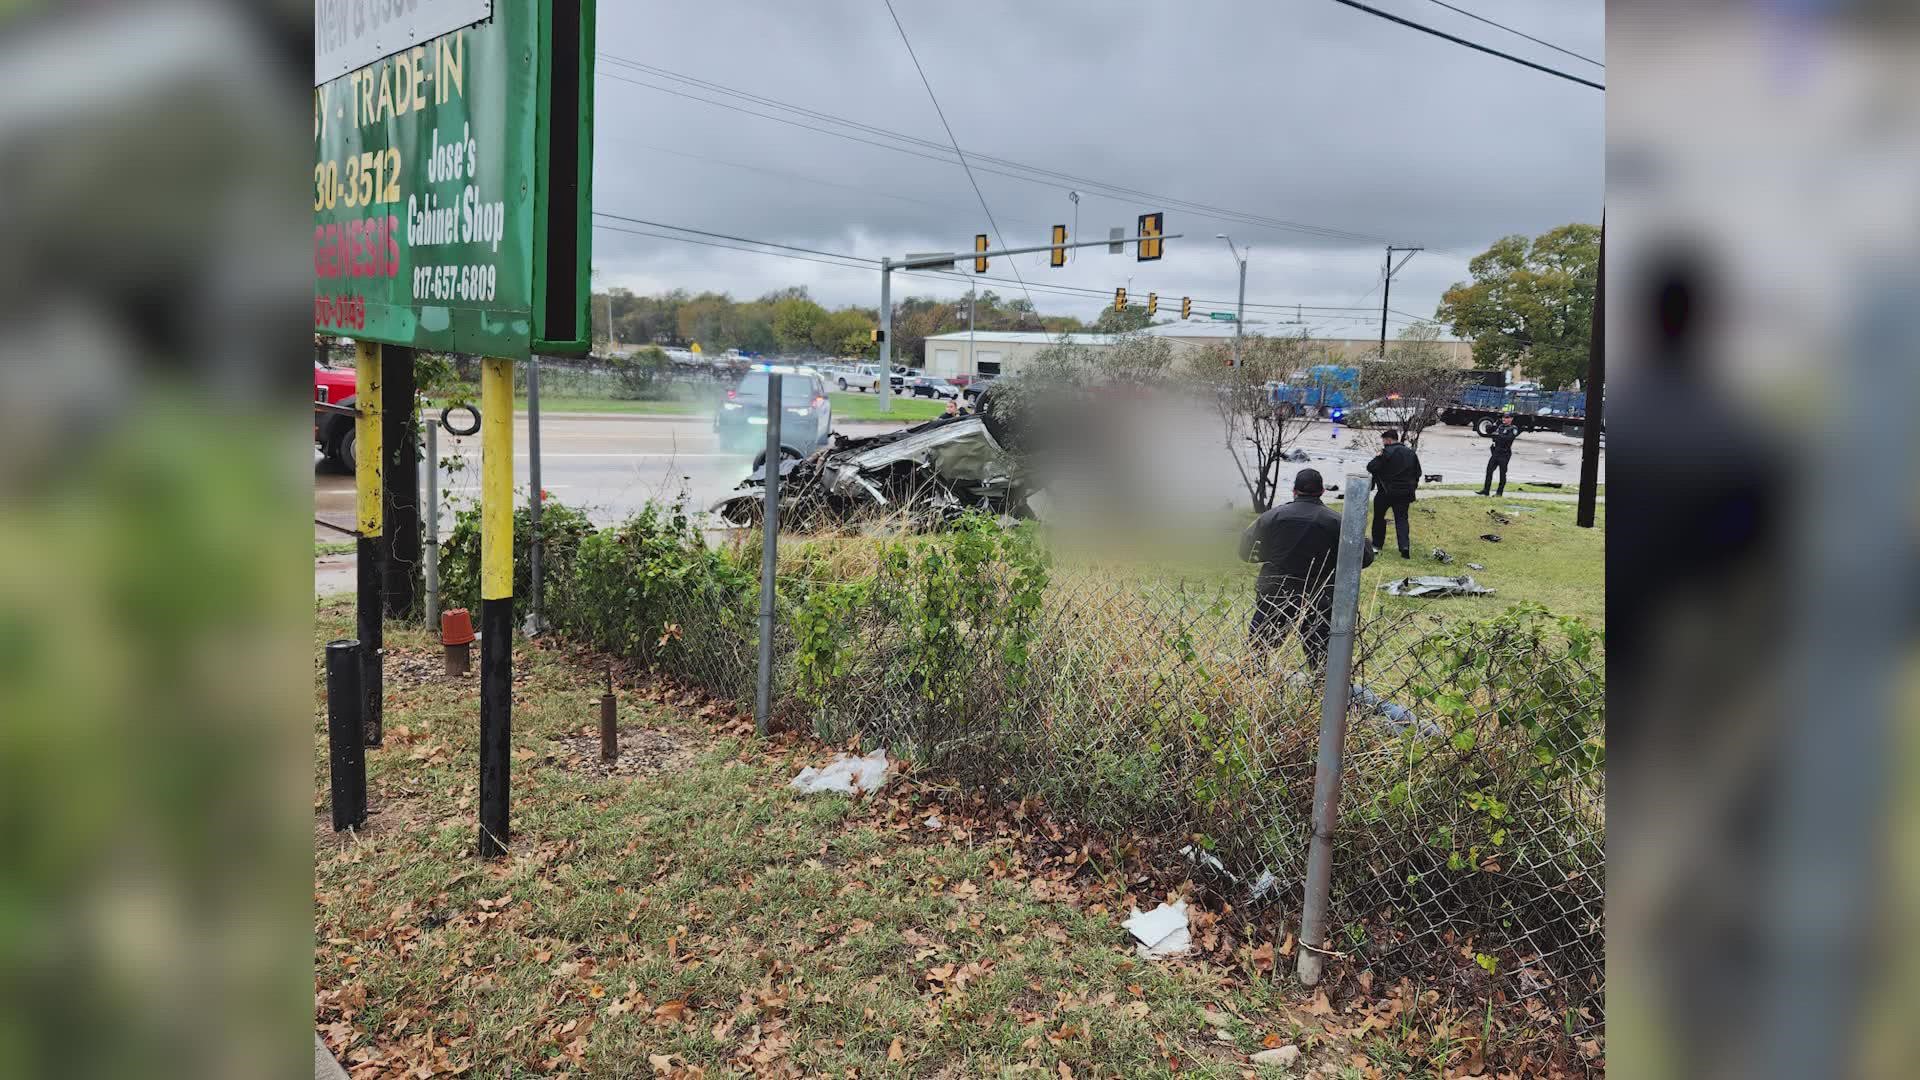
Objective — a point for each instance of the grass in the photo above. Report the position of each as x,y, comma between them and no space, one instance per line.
1542,557
707,915
324,548
853,405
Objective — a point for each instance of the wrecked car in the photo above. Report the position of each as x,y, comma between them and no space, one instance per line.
925,474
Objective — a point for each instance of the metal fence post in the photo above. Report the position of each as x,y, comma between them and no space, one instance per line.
432,511
1333,727
533,511
346,751
769,553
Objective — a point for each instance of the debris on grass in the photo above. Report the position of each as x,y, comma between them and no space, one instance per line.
1475,566
1161,932
1439,555
1491,538
1436,586
846,774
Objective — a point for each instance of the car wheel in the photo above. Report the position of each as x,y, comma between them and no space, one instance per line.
345,455
843,386
787,452
1484,426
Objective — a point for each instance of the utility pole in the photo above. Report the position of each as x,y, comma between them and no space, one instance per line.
1387,291
886,336
1240,311
1596,392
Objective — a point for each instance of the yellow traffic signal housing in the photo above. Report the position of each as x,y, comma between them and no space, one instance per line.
980,244
1186,307
1153,304
1119,299
1151,226
1059,256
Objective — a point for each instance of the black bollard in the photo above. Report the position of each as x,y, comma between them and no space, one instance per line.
346,752
609,722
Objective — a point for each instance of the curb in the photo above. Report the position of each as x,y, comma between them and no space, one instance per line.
324,1066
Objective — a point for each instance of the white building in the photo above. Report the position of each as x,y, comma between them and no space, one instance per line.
995,352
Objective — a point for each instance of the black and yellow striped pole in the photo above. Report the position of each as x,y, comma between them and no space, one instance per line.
368,483
496,601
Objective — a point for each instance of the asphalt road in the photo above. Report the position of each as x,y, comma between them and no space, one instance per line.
611,466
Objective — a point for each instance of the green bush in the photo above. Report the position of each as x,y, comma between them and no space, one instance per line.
642,376
561,527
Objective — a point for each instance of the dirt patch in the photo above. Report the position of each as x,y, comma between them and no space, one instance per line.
385,817
643,752
425,669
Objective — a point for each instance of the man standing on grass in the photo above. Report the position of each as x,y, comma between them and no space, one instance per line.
1296,545
1502,451
1396,476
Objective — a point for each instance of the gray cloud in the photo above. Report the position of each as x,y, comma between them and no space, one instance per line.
1300,110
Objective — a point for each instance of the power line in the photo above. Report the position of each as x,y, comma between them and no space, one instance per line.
1390,17
1529,37
942,113
1041,176
861,262
738,239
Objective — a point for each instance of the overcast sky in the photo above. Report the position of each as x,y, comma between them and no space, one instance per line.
1296,112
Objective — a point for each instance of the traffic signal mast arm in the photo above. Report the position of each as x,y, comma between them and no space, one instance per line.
947,259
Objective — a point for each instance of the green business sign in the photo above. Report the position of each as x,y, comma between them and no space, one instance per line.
452,181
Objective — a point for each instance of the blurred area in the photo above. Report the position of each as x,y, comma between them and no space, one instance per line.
1765,791
154,669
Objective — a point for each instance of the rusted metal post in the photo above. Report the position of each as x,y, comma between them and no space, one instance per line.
609,722
1333,728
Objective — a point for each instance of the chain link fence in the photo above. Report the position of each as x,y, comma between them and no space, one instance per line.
1127,696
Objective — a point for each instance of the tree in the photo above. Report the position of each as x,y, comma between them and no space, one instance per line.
1530,303
1257,431
848,332
1415,369
1123,321
794,320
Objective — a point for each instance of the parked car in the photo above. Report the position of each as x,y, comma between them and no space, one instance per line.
806,417
975,387
926,386
332,432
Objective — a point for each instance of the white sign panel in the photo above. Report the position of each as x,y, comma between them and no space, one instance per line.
350,34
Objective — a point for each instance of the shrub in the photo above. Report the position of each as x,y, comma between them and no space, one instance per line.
561,527
640,377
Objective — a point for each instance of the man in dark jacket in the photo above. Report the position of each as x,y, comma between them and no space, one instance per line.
1296,545
1396,476
1502,451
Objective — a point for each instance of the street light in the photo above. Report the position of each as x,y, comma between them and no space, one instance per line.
1240,314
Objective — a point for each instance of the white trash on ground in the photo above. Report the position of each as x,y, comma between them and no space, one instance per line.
1162,931
846,774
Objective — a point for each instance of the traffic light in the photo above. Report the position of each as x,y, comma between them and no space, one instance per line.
1153,304
1119,299
1186,307
980,244
1059,256
1151,228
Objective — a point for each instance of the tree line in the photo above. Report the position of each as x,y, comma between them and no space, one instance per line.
792,322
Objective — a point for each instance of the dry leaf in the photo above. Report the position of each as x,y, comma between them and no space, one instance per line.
896,1052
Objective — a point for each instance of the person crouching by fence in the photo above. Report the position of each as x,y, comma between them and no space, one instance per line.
1296,545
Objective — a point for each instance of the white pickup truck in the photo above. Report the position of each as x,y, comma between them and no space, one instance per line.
866,378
